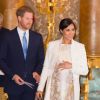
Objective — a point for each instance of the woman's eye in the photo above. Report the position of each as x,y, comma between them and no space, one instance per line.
68,30
73,29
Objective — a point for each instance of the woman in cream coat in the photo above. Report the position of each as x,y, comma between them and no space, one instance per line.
65,61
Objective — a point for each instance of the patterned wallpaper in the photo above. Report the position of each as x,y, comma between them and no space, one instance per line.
71,9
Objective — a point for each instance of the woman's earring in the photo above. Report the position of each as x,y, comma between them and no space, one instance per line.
61,32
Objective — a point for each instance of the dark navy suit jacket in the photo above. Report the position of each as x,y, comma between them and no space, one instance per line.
3,31
13,62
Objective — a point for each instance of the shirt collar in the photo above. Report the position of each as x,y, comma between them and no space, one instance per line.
21,32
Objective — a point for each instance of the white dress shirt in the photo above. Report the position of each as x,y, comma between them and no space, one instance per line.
1,73
21,33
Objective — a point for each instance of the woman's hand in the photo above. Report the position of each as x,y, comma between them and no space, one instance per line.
64,65
39,95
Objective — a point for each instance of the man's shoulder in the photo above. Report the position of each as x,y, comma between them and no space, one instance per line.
10,34
34,33
13,30
5,29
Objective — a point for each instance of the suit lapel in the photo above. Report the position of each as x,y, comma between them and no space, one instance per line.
18,43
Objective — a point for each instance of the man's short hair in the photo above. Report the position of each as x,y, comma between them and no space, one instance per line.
21,11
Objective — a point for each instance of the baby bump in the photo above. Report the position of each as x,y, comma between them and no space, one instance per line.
63,74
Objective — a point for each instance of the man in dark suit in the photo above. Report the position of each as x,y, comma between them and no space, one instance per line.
3,31
22,57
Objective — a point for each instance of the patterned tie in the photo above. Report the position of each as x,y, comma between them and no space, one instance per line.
24,44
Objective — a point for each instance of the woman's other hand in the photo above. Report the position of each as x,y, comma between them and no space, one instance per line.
39,95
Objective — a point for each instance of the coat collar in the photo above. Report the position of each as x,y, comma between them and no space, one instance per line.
60,41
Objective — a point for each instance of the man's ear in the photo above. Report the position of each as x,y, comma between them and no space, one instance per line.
19,18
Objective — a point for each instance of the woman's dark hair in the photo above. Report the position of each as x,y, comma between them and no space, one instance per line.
65,23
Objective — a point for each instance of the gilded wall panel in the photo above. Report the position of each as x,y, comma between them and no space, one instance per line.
90,26
71,9
10,20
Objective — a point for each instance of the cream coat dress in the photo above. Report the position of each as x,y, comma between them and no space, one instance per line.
79,66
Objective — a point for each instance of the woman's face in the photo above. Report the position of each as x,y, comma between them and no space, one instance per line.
69,32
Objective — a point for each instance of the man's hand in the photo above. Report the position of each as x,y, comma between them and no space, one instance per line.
36,76
18,79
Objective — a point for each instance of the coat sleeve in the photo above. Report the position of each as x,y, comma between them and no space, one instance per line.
40,57
80,65
45,71
3,58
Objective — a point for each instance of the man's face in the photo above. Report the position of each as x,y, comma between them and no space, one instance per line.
25,22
